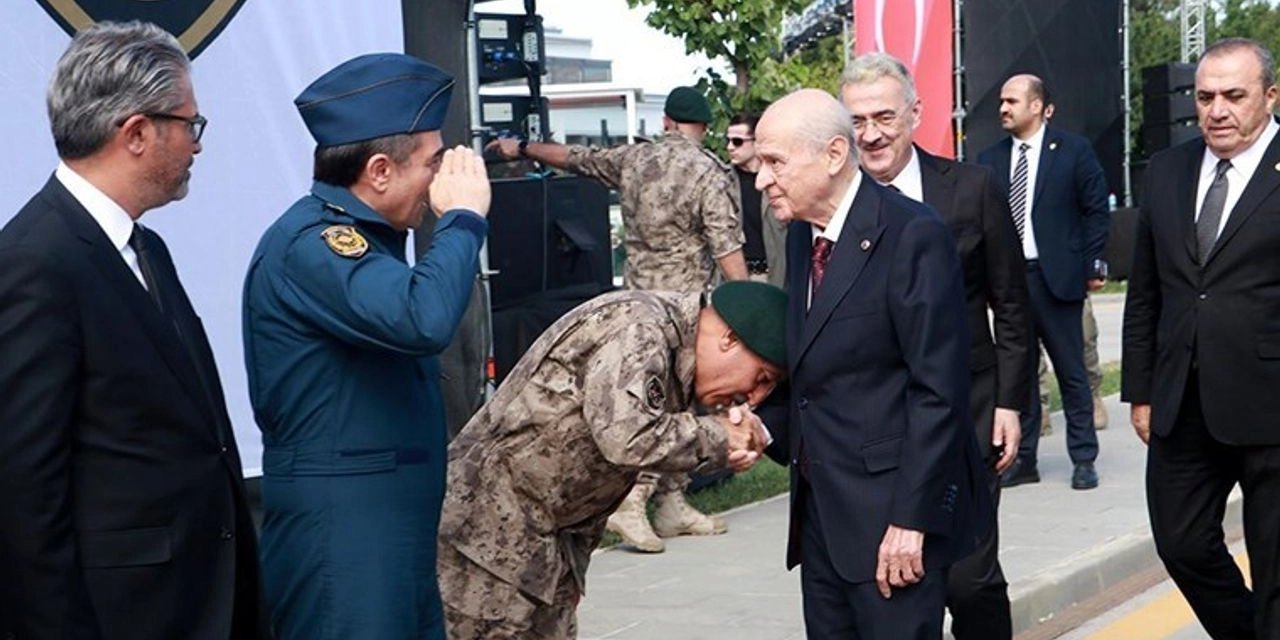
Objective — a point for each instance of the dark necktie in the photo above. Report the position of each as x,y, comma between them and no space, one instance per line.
1215,200
146,264
818,260
1018,191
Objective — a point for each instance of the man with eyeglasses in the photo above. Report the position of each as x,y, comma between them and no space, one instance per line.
766,236
881,97
682,220
124,513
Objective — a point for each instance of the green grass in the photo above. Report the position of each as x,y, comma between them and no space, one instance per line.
1110,385
1113,286
765,480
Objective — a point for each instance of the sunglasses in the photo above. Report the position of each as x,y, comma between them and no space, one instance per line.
738,142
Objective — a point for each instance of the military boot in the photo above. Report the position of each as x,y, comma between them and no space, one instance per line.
1099,414
674,516
631,522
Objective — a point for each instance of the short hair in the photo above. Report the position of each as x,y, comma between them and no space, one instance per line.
341,165
1231,45
873,66
749,119
110,71
1038,90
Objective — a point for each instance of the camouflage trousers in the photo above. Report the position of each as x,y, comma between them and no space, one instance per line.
481,606
664,482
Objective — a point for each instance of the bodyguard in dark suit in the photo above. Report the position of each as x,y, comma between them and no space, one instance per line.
1202,343
880,95
1058,202
887,486
123,513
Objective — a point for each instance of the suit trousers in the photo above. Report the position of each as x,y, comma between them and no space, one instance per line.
977,592
1057,324
1189,476
836,609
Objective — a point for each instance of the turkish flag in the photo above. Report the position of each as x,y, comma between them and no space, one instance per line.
919,33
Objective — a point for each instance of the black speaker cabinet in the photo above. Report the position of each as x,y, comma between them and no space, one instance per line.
1162,136
1170,77
1168,107
547,234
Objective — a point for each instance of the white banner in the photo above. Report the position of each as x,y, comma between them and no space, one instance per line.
257,153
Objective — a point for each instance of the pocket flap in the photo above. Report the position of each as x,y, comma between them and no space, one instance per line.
882,454
125,548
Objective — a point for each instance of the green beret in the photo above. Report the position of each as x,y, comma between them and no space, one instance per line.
685,104
757,313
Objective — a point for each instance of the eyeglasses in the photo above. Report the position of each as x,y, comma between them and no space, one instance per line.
195,124
882,120
738,142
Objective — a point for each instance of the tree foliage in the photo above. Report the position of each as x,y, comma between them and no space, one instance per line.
744,33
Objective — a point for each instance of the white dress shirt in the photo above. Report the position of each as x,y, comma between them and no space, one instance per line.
110,216
1035,142
1238,176
909,181
836,224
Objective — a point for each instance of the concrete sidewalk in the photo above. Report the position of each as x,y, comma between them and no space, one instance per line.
1058,547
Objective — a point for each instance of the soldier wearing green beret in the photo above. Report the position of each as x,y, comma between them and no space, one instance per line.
608,390
682,219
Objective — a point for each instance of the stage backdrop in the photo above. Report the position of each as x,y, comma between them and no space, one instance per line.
918,32
1074,45
254,57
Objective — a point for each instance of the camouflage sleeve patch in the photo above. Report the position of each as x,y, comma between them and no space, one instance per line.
345,241
655,394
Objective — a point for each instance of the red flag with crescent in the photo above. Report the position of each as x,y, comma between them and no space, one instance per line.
919,33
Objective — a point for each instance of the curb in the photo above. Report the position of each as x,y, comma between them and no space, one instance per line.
1054,591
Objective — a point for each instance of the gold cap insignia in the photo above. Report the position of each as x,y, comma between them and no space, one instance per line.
345,241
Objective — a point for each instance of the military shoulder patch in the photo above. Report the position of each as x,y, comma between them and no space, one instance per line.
655,394
345,241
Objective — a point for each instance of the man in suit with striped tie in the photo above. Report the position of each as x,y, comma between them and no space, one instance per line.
1058,200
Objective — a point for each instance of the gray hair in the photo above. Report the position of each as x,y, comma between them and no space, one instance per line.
873,66
828,120
111,71
1231,45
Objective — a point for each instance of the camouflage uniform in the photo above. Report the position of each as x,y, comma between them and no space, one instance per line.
679,208
606,391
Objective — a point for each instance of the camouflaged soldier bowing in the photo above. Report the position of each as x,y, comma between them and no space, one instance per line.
682,219
608,390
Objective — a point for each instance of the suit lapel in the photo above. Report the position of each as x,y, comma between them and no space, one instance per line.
938,183
1047,156
1264,181
846,263
106,260
1187,189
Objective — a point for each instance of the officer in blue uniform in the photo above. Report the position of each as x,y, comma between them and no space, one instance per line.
341,335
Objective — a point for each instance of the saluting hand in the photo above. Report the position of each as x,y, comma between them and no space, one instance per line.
461,182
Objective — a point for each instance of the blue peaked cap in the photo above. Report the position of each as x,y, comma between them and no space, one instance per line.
375,95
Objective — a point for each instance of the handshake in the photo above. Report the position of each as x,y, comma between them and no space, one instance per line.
746,434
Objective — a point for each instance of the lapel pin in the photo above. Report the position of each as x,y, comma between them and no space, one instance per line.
1053,145
865,245
1278,166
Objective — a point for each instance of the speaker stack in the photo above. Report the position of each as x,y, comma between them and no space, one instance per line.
1168,106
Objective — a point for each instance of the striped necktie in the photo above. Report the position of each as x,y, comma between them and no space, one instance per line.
1018,191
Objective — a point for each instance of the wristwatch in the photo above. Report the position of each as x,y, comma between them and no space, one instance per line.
524,144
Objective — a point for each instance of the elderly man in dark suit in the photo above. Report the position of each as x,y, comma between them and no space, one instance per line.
123,513
881,97
1202,343
887,486
1058,202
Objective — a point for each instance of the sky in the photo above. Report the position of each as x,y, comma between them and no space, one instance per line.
642,55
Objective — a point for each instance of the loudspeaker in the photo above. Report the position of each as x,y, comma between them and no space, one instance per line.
1168,107
1162,136
1169,77
547,234
1120,238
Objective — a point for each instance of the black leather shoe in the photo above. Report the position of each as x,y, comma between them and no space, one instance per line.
1020,472
1084,477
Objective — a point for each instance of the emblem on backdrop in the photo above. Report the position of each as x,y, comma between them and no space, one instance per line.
195,23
